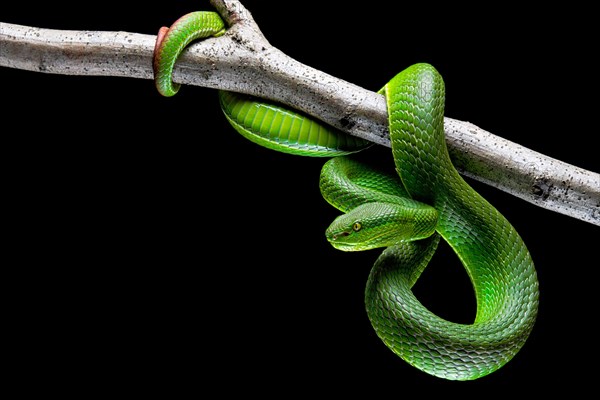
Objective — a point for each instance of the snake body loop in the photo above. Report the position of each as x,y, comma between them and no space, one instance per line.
493,254
274,127
406,213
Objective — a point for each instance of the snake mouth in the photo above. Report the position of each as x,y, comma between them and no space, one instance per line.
346,246
338,242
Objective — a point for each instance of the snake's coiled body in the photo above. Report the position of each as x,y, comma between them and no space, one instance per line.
493,254
406,213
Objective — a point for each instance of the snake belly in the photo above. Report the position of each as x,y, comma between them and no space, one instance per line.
406,213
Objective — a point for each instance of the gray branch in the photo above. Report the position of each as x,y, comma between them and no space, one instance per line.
243,61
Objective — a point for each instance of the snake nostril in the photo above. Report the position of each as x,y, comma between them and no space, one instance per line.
338,235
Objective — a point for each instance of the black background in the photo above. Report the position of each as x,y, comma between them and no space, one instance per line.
157,246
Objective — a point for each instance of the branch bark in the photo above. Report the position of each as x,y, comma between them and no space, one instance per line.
242,60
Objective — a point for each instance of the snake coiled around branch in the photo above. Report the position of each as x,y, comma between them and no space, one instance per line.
406,212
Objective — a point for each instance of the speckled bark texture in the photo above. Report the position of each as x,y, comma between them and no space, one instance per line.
242,60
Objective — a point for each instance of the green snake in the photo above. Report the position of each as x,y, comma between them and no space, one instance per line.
406,213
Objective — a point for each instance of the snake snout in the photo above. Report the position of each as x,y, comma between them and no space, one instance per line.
340,238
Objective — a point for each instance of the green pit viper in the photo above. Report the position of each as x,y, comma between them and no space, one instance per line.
406,213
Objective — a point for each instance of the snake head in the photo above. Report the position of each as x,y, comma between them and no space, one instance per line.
380,224
365,227
341,233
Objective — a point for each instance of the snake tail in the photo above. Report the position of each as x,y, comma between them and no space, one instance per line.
170,42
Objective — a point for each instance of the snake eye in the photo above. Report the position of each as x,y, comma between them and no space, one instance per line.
356,227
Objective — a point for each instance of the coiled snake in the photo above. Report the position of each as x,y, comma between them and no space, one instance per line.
406,213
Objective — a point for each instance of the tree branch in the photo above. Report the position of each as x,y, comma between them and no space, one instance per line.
242,60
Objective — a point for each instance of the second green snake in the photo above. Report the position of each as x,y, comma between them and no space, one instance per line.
406,212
